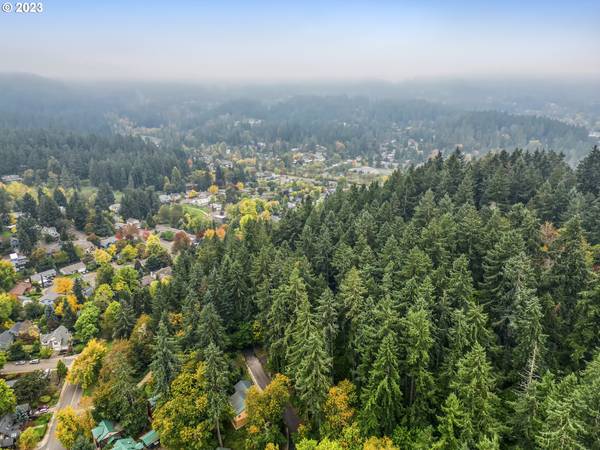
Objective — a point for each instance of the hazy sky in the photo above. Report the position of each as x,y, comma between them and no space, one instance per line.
279,40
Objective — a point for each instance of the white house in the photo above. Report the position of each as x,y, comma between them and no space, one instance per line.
59,340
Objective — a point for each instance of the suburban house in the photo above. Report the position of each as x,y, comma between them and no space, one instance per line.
127,444
43,278
107,242
20,289
49,298
238,403
71,269
50,232
105,433
59,340
161,273
10,427
132,221
85,245
26,331
10,178
6,340
18,261
115,208
148,440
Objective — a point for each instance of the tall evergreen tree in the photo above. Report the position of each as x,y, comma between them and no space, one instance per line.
327,316
382,397
298,333
210,328
588,173
474,387
453,425
562,426
416,342
313,376
124,321
285,298
216,386
165,364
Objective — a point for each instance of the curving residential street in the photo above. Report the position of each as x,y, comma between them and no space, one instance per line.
70,395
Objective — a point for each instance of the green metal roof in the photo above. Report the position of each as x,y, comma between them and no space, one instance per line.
149,438
102,430
242,385
127,444
238,402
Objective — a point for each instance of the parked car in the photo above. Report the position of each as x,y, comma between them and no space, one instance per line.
34,361
40,411
20,363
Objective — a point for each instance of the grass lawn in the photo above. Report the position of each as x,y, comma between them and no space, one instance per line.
40,431
195,211
87,191
42,420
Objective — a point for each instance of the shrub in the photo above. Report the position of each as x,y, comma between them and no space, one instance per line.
167,235
45,352
45,399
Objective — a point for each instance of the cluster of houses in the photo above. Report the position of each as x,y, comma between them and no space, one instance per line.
109,435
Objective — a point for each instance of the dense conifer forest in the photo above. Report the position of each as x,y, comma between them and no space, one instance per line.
459,301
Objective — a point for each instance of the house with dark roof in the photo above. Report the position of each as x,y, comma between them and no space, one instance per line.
6,340
10,425
107,242
238,403
43,278
26,331
71,269
18,261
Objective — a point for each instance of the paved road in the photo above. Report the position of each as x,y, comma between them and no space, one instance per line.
261,379
44,364
70,395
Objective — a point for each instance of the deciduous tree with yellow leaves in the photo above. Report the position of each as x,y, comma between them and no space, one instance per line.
85,368
70,425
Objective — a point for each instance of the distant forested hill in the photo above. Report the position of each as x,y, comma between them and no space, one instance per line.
364,123
111,159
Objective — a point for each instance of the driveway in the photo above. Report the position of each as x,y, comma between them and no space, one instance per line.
50,363
261,379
